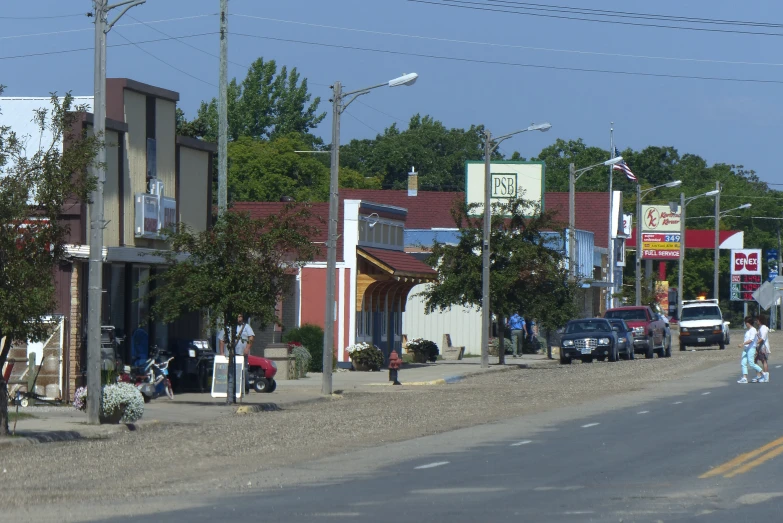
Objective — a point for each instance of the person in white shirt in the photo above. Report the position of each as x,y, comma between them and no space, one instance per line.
762,344
245,337
749,353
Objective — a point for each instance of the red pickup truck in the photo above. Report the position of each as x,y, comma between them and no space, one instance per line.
649,332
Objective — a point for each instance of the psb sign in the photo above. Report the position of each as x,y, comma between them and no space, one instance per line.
508,179
504,185
746,261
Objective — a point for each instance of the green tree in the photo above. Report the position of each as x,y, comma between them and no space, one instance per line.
265,105
437,152
34,188
527,271
237,267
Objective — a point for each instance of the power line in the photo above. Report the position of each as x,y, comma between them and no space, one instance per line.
3,17
364,124
629,14
515,64
501,45
63,51
163,61
459,4
81,30
381,112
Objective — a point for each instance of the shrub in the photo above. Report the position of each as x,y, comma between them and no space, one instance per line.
311,337
424,349
493,346
122,396
302,360
366,354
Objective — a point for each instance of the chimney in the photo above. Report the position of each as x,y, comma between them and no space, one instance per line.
413,182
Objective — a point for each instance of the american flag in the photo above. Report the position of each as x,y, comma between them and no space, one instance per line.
622,166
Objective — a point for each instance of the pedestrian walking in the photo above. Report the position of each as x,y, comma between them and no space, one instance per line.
749,353
762,345
517,325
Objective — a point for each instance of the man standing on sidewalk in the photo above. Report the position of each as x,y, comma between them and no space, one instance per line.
517,325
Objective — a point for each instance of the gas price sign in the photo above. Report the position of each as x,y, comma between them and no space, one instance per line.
743,286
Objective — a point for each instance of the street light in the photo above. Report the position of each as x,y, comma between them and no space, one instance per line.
639,195
489,147
716,260
339,105
683,204
574,175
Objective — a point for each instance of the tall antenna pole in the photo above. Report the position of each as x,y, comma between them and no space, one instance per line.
610,243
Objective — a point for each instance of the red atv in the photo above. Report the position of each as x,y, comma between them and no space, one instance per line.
260,374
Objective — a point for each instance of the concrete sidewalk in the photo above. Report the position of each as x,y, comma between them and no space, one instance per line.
66,424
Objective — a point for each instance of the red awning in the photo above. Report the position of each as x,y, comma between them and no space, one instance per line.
397,263
702,239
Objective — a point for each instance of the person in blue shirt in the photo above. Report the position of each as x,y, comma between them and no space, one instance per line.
517,325
140,344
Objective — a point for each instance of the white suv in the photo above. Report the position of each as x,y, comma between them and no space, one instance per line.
702,325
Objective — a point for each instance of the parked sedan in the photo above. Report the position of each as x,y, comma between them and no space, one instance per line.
587,339
624,338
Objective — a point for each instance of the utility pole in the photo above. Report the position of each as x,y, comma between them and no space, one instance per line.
331,244
485,318
572,221
638,244
716,261
223,183
680,279
223,111
97,223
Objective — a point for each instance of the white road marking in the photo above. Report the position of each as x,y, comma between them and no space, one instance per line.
643,412
704,393
546,489
677,403
778,366
519,443
432,465
590,425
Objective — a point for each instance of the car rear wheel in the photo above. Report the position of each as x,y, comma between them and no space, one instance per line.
683,347
668,352
649,352
722,346
613,356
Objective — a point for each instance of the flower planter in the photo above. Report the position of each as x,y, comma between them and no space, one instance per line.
113,418
361,367
420,357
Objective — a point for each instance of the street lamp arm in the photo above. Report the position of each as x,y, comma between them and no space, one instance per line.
580,172
543,127
133,3
364,90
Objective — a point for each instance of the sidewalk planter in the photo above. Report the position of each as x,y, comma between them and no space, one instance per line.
280,353
365,357
301,361
120,402
422,350
493,346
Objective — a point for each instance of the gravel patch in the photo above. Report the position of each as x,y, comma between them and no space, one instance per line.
172,459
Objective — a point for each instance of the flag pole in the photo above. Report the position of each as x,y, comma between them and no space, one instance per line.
610,243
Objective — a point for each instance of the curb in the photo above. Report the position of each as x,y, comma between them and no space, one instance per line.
76,435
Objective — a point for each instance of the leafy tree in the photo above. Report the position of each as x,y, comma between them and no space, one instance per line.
34,188
527,272
266,104
437,152
237,267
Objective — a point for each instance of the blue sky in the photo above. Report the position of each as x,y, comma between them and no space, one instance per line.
731,122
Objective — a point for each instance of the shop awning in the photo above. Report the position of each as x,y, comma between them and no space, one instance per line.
386,277
400,265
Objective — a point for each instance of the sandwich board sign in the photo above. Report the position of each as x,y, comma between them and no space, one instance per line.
220,377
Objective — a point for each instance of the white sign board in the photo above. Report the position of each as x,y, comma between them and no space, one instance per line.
220,376
510,179
627,224
660,218
746,261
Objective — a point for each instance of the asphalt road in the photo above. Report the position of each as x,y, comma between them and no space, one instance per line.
663,457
